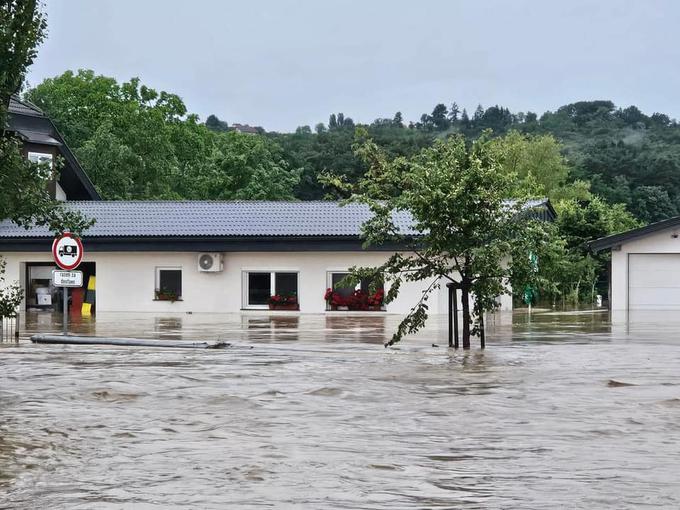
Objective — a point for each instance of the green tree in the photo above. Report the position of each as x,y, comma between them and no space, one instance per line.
244,167
213,123
439,117
454,111
465,119
137,143
465,231
537,160
577,223
652,203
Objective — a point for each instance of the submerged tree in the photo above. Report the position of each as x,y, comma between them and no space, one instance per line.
464,229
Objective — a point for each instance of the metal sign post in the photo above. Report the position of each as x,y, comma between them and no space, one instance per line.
65,306
67,251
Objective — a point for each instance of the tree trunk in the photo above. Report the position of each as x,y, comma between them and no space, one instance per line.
465,298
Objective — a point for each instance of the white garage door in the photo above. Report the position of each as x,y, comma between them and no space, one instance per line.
654,281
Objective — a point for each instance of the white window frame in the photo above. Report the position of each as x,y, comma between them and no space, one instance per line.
272,285
331,272
41,158
158,278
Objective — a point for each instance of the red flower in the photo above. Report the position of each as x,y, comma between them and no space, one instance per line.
377,298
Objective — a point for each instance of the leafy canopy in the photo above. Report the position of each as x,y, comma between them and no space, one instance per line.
465,229
138,143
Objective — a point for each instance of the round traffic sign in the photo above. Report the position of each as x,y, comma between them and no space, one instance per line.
67,251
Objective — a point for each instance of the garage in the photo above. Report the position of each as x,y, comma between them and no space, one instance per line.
653,281
644,272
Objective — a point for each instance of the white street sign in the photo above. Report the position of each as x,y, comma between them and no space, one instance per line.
67,278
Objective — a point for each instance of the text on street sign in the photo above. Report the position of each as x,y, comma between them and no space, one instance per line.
67,278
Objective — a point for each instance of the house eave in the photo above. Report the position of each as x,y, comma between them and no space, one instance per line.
204,244
612,241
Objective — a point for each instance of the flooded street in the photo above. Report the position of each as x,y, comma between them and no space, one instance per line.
563,411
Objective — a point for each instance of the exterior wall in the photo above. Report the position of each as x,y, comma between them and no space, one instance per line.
59,193
126,281
660,242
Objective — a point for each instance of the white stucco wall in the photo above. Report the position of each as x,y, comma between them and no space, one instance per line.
126,281
659,242
60,194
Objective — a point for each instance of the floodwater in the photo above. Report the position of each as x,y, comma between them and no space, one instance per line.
560,411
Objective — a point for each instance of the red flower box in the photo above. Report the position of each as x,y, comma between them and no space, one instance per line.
279,302
284,306
358,300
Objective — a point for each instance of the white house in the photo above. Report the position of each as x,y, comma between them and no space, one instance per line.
200,256
208,256
645,267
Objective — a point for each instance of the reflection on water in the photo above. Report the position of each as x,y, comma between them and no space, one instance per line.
306,411
168,328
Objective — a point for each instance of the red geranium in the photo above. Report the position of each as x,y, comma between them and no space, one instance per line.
377,298
279,299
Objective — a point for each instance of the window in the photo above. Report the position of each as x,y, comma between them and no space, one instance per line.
358,297
259,286
168,283
41,158
343,291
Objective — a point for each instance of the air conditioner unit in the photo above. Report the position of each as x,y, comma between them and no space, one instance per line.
210,262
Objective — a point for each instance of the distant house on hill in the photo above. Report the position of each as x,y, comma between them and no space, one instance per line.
245,128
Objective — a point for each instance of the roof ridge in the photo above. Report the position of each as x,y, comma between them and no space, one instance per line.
25,102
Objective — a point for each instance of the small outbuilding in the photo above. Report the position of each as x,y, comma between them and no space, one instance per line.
645,267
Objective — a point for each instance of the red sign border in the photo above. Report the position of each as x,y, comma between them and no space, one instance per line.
80,251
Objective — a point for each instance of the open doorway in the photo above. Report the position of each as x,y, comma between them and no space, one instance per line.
42,295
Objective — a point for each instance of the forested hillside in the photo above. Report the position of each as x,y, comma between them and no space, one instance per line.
627,156
606,169
138,143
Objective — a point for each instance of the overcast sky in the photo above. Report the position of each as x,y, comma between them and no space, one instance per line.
285,63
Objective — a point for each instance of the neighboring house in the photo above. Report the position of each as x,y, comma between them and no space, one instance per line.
200,256
645,267
43,143
245,128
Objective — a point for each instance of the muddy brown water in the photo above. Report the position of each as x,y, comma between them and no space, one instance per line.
560,411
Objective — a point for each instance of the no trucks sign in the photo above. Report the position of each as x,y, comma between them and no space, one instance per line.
67,251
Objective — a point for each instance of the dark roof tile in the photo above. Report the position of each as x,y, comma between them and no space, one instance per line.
17,105
223,219
215,219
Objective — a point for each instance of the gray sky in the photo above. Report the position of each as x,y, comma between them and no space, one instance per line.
284,63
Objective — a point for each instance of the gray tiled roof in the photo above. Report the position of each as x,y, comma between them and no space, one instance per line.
215,219
16,105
